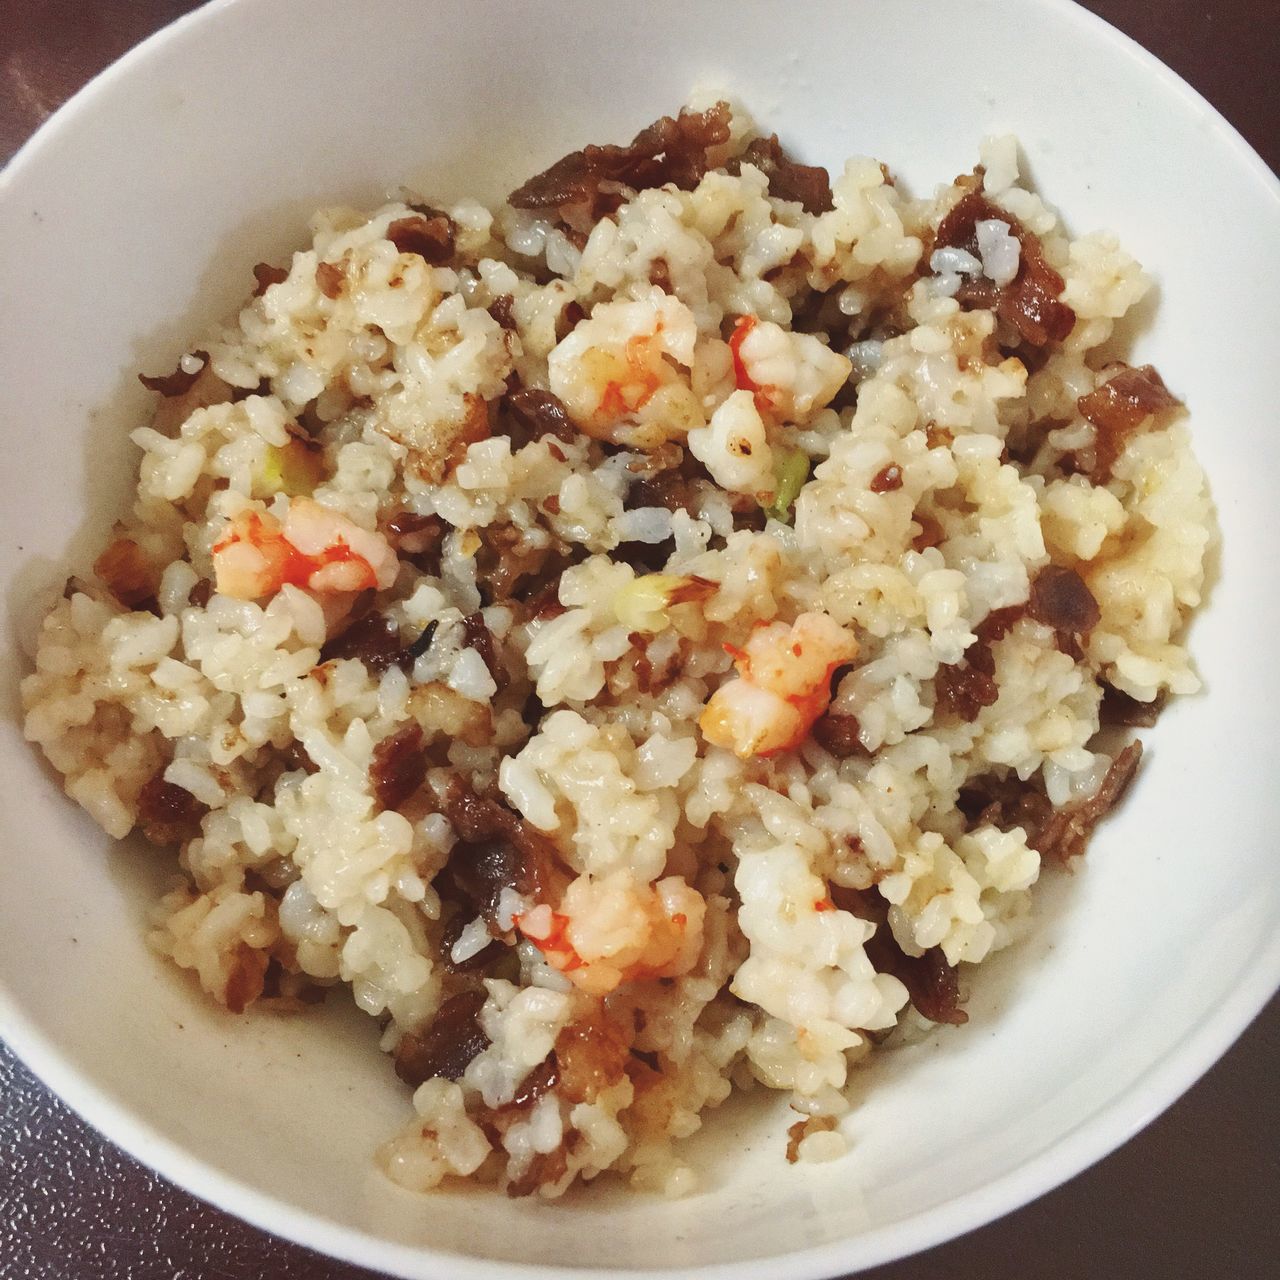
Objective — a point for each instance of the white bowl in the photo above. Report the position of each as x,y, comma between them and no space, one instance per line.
131,221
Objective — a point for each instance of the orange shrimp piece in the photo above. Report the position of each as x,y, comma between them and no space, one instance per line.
783,686
315,548
742,327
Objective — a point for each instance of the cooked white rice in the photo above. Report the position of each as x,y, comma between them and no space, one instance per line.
698,934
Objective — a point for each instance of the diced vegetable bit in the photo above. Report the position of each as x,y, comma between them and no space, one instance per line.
642,605
792,472
295,468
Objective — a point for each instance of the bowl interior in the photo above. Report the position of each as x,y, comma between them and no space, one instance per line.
132,222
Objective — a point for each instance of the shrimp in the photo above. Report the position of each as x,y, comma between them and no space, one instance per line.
734,448
616,929
792,375
314,548
783,686
623,372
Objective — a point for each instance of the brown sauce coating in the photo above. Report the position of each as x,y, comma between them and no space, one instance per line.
962,689
124,571
446,1047
501,309
806,184
541,413
179,382
169,815
542,1170
887,479
497,849
330,279
1066,832
1030,303
373,639
398,767
265,275
1118,708
1061,599
477,963
1118,408
480,638
999,622
799,1131
930,534
247,979
839,735
671,150
592,1054
428,233
932,982
1058,835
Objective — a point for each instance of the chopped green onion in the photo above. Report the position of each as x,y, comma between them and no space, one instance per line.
792,473
294,468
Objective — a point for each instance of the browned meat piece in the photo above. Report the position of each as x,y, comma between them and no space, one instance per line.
799,1131
839,735
1030,302
963,688
477,963
545,602
286,991
507,557
806,184
247,978
1058,835
496,849
932,983
179,382
998,623
653,677
542,1078
660,274
398,767
201,593
592,1055
167,814
501,311
542,413
668,151
1065,834
930,534
373,639
887,479
1118,708
480,638
295,757
411,530
265,275
1004,803
428,233
478,871
669,489
542,1170
1061,600
329,279
124,571
417,538
445,1048
1118,408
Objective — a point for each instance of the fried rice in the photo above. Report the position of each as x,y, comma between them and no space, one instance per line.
641,641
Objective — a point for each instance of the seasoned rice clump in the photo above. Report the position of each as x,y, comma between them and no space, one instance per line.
642,641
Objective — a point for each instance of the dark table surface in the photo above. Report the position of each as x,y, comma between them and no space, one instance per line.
1195,1195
